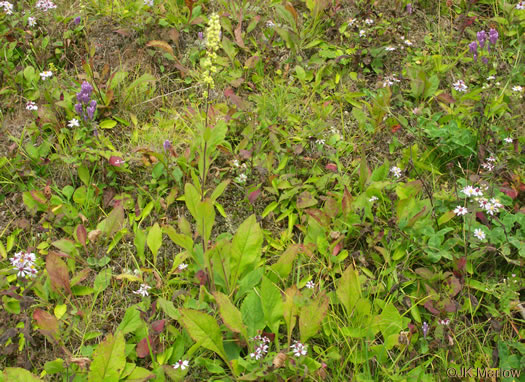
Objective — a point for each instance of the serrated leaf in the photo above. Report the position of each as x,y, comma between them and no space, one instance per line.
109,359
312,316
204,330
230,314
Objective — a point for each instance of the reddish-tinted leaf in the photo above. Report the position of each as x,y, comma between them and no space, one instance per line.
202,277
47,322
347,202
58,272
238,34
512,193
319,215
252,197
338,247
455,286
245,154
446,98
81,234
189,4
143,347
251,62
116,161
450,306
158,326
395,128
429,305
331,207
228,92
482,218
331,167
461,263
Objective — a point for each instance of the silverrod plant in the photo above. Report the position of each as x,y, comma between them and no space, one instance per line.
302,190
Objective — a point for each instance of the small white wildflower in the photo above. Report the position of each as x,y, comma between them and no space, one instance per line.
24,264
30,105
508,140
45,5
182,266
517,88
8,7
45,75
472,191
320,141
299,349
270,24
491,159
479,234
444,322
390,48
241,178
460,86
143,290
310,284
362,33
31,21
488,166
520,6
183,365
396,171
351,22
149,3
408,42
460,211
74,123
490,78
369,21
491,209
390,80
373,199
235,162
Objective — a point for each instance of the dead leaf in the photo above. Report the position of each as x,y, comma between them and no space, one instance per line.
47,323
58,273
279,359
229,93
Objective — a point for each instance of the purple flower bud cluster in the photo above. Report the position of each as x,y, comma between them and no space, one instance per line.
86,106
482,37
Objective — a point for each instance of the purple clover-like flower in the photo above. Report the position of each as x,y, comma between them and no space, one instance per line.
425,329
167,145
482,37
473,46
85,101
200,35
493,36
77,20
91,109
409,8
485,60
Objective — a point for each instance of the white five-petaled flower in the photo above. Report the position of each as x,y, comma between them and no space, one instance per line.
299,349
508,140
351,22
73,123
320,141
408,42
460,86
241,178
390,48
31,21
45,5
45,75
30,105
472,191
149,3
488,166
8,7
478,232
520,5
369,21
143,290
310,284
444,322
373,199
362,33
396,171
460,211
490,78
182,266
517,88
182,364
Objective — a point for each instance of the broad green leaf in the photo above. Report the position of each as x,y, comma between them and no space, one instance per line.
311,317
168,308
140,244
182,240
272,305
113,223
283,266
140,374
204,330
66,245
290,310
252,313
219,190
60,310
447,216
131,321
109,359
154,241
390,323
17,374
108,124
102,280
246,249
206,214
192,199
349,289
230,314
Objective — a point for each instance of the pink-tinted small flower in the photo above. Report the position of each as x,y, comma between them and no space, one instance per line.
444,322
183,365
299,349
460,211
310,284
30,105
508,140
143,290
521,5
460,86
479,234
